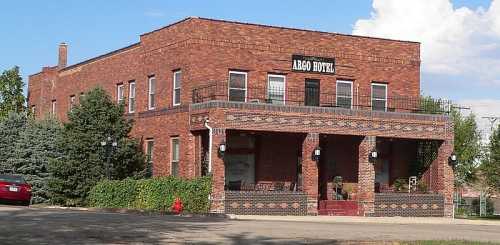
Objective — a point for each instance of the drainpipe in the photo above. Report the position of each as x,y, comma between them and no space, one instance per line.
209,145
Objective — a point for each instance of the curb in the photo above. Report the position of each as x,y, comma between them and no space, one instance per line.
137,211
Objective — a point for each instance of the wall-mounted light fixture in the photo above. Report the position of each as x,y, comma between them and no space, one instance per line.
316,153
222,149
453,159
373,155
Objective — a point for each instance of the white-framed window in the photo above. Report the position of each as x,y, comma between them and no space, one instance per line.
72,101
177,80
174,156
276,85
150,144
237,86
33,110
344,94
151,92
379,96
131,97
120,93
54,107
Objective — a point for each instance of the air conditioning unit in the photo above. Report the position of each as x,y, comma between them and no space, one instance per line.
254,101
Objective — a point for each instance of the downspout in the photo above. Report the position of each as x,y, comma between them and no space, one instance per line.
209,145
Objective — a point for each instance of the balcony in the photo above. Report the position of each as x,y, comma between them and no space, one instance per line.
313,97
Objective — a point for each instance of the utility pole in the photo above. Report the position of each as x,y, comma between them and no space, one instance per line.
492,120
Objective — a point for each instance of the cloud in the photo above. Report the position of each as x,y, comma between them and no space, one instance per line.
484,108
455,41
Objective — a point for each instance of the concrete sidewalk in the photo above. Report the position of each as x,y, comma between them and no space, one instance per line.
357,219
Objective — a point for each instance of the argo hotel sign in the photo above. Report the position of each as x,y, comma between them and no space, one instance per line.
311,64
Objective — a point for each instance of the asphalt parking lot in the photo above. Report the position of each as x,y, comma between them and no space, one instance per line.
21,225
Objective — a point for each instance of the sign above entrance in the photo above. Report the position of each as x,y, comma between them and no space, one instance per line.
312,64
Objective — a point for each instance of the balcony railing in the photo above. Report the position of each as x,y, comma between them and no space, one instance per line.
357,100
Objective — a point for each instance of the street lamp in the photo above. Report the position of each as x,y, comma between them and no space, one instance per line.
110,146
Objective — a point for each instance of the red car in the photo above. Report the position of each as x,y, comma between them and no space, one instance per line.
14,189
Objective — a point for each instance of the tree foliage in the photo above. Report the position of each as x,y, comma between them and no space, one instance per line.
35,146
84,161
10,129
11,92
491,164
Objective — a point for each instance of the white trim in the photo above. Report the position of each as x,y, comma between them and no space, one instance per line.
54,107
371,100
337,91
172,153
130,97
173,90
284,85
246,83
151,78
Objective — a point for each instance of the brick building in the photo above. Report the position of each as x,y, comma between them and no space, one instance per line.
287,121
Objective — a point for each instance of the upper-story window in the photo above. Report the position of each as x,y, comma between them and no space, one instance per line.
379,96
177,88
237,86
151,92
276,89
54,107
344,94
72,102
131,97
120,93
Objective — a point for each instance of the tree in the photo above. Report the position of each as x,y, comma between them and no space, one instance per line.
467,147
10,128
491,164
84,160
35,146
11,92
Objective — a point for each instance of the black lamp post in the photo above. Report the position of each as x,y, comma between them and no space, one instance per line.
316,153
110,145
453,159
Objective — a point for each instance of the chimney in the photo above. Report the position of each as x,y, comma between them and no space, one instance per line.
63,56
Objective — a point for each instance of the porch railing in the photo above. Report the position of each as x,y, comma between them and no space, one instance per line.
356,100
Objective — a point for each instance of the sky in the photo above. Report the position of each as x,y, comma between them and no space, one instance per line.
460,39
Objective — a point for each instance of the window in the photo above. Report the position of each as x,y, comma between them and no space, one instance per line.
177,88
149,154
33,110
151,92
379,97
72,101
237,86
344,94
54,107
174,163
276,89
131,97
120,93
82,94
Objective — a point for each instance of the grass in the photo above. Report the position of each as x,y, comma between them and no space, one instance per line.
492,217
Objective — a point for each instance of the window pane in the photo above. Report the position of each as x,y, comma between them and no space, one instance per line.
344,89
175,168
151,100
276,89
237,80
131,105
132,90
378,91
152,85
175,149
177,96
149,150
237,95
344,102
378,105
177,79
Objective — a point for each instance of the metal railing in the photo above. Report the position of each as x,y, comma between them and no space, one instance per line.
357,100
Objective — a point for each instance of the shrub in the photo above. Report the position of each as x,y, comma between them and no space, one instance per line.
156,194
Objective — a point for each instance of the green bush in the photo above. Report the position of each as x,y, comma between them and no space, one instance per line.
156,194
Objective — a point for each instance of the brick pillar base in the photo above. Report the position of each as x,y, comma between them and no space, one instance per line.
366,177
218,173
310,172
445,176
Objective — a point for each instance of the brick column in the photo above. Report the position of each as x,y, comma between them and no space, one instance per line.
310,172
445,176
366,176
218,172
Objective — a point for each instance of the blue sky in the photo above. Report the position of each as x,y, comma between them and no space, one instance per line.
31,30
